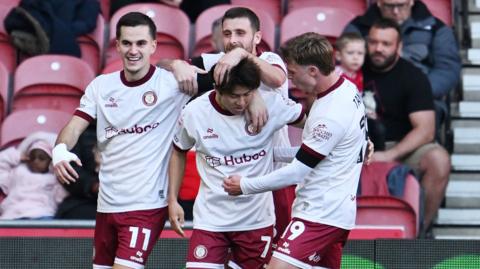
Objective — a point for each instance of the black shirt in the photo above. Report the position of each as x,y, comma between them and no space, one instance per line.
402,90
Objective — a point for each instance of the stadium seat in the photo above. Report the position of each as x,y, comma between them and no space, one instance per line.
51,82
396,216
441,9
272,7
327,21
92,45
105,9
385,213
357,7
203,29
114,66
20,124
173,31
8,53
4,86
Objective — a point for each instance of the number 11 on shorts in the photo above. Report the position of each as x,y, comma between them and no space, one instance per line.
133,239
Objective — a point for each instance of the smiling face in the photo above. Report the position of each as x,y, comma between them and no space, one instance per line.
238,32
135,45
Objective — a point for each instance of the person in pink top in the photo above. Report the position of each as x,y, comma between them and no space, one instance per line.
27,180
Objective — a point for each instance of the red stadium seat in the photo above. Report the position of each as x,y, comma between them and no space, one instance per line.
327,21
105,9
272,7
8,53
203,29
20,124
441,9
357,7
4,86
50,81
386,212
92,46
173,31
376,207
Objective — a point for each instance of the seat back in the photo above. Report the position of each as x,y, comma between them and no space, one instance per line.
327,21
173,30
442,9
272,7
92,46
386,212
356,7
20,124
203,29
50,81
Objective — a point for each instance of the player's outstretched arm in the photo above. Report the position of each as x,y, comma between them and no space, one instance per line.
185,74
176,170
61,156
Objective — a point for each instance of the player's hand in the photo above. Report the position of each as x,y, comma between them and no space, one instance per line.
257,113
229,60
186,76
176,217
370,151
61,159
231,185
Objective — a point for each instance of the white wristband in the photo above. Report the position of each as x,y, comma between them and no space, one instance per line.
60,153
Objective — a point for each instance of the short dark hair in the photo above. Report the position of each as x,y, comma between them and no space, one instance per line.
309,49
243,12
133,19
245,74
385,23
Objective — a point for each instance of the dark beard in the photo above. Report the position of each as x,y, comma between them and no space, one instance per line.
386,65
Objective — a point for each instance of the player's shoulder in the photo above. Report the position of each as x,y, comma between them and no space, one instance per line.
199,104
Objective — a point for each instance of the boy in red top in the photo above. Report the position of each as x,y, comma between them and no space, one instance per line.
350,53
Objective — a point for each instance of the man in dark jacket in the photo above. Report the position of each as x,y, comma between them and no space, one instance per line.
427,42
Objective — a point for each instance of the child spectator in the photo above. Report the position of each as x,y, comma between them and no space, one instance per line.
351,50
351,55
26,178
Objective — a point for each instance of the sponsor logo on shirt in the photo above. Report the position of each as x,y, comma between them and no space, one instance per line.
138,257
111,131
210,134
314,257
111,102
234,160
321,132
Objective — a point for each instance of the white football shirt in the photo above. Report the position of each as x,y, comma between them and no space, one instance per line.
135,125
280,138
336,129
225,146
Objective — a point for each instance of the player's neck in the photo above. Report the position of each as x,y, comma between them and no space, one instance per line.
325,82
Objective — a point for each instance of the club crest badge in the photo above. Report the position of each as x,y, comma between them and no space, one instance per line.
149,98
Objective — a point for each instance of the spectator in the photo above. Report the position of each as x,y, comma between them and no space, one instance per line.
51,26
427,42
26,178
350,53
82,200
405,106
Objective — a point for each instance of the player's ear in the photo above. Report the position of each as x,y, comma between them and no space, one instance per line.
337,55
257,37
